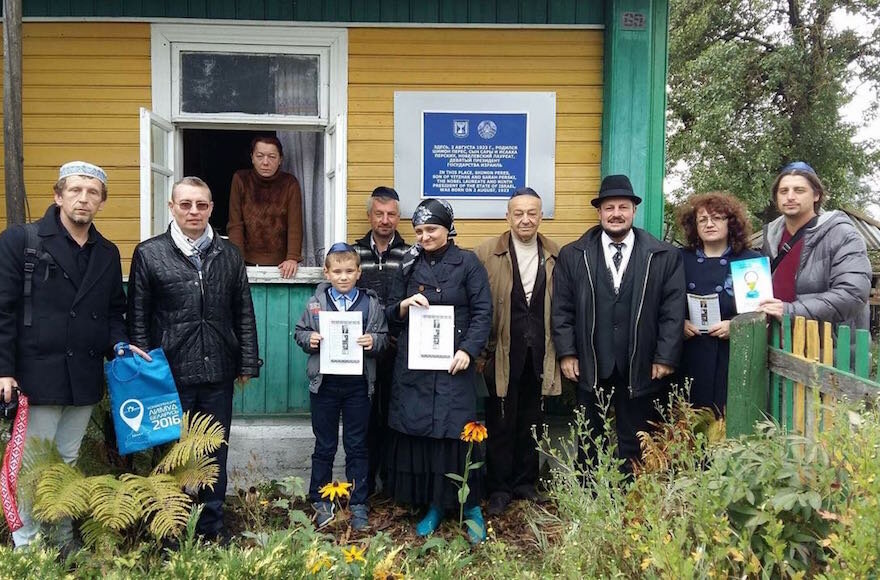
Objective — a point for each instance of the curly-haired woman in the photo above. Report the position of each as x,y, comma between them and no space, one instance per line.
717,230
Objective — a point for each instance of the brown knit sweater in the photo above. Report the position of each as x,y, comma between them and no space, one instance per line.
265,217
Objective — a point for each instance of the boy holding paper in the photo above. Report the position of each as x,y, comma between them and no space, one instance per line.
342,377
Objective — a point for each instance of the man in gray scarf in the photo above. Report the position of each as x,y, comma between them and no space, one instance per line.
188,293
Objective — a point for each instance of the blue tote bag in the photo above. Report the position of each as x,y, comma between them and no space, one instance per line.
143,401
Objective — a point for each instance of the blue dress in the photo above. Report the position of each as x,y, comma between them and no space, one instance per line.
705,359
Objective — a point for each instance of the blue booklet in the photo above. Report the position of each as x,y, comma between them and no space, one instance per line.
752,283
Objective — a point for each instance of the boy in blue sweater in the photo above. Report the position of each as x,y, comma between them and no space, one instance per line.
345,395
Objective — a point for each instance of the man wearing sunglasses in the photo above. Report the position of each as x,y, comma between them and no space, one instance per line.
188,293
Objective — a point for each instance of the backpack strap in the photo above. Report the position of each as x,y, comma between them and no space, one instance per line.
31,259
787,246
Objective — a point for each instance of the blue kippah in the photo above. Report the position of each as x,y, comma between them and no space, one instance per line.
339,248
799,166
82,168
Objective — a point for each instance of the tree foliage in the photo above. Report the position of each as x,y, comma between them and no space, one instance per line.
756,84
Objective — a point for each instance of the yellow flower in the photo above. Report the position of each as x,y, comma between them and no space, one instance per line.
384,569
353,554
474,432
317,561
335,489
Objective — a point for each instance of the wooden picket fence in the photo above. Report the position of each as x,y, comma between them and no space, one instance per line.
793,373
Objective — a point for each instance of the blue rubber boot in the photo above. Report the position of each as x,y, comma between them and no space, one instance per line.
476,527
430,522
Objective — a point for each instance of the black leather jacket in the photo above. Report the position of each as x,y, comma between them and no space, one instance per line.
204,321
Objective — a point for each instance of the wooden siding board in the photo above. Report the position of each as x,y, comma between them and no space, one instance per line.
198,8
59,7
425,10
297,385
452,11
254,401
221,9
532,12
277,347
482,11
568,62
507,11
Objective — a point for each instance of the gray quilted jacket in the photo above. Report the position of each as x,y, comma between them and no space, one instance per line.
834,278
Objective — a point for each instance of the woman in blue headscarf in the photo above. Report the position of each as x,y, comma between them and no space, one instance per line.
429,408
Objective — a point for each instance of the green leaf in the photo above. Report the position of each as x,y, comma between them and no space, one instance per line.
476,465
455,477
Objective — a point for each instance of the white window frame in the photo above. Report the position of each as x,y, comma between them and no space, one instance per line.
330,44
320,120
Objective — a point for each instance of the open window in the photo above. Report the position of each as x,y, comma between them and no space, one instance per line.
218,86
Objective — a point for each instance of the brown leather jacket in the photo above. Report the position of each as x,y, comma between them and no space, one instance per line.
494,253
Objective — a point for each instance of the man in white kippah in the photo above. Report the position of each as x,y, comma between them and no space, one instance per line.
61,312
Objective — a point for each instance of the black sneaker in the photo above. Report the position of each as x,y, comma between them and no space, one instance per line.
498,503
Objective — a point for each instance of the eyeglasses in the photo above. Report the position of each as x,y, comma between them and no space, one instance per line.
715,219
187,205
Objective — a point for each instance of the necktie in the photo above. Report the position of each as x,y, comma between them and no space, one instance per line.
618,255
343,300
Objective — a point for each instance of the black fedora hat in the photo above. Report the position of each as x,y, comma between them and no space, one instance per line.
615,186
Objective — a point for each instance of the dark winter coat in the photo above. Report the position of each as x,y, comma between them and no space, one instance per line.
204,320
706,359
76,321
657,315
435,403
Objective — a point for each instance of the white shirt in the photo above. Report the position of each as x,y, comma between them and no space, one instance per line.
609,251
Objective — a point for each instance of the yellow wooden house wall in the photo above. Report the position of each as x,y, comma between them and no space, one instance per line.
82,86
84,82
568,62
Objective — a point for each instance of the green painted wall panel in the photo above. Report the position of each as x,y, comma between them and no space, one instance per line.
562,11
276,349
409,11
297,383
633,119
507,11
253,10
481,11
365,11
198,8
221,9
254,402
177,9
454,11
424,10
533,12
108,7
56,7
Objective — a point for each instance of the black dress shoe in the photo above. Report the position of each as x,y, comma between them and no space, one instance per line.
498,502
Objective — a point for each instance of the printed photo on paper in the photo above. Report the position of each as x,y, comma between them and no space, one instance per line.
704,312
340,352
431,337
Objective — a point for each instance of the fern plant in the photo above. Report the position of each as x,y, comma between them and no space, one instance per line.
108,505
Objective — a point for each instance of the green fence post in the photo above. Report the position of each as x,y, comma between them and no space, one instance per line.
775,380
747,377
787,384
863,342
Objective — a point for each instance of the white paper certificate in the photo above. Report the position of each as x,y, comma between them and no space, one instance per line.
704,312
340,352
431,334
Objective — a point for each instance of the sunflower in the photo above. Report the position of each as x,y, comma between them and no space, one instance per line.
335,489
474,432
353,554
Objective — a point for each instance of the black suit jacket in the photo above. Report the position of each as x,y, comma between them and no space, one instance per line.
76,319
